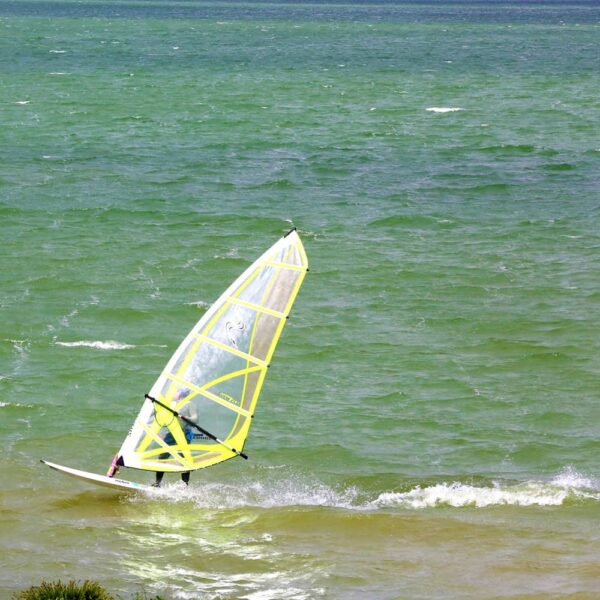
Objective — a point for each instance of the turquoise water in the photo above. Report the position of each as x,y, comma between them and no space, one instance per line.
429,426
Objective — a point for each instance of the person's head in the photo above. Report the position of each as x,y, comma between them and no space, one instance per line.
182,393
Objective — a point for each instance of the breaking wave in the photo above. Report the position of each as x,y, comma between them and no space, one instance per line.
297,491
568,485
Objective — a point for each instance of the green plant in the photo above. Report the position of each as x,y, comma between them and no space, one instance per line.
88,590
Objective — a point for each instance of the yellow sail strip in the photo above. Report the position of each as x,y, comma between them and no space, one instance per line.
208,395
232,350
257,307
169,449
232,375
274,263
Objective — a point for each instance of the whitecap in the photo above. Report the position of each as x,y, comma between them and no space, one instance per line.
460,495
443,109
192,262
57,51
232,253
21,346
22,101
568,484
108,345
15,404
65,320
199,304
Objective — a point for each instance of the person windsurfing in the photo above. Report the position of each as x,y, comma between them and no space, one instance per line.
189,411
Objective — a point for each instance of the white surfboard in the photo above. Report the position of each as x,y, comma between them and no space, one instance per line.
102,480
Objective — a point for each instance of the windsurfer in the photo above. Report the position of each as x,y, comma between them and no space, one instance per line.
189,411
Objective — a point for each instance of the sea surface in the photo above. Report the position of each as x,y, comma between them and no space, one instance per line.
430,425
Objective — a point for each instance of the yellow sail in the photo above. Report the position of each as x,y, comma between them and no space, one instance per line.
199,410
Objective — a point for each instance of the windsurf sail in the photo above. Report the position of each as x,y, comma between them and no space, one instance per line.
199,410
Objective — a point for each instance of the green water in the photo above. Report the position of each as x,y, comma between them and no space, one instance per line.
429,426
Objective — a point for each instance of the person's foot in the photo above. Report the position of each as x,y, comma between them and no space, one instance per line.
156,484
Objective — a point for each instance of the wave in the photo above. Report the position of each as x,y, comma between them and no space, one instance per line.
443,109
568,486
108,345
14,405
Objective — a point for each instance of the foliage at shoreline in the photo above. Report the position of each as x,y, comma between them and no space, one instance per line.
88,590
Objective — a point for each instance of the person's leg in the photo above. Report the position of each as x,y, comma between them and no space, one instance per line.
185,477
159,477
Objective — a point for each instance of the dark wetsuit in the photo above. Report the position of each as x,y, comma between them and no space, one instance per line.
188,431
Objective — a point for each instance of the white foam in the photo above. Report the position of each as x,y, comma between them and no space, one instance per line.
458,495
232,253
22,101
443,109
199,304
57,51
285,492
570,478
108,345
65,321
20,346
568,484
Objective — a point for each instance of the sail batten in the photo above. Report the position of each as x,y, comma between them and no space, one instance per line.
211,396
163,445
257,307
282,265
235,351
214,378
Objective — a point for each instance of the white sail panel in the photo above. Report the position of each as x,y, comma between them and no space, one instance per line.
215,376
